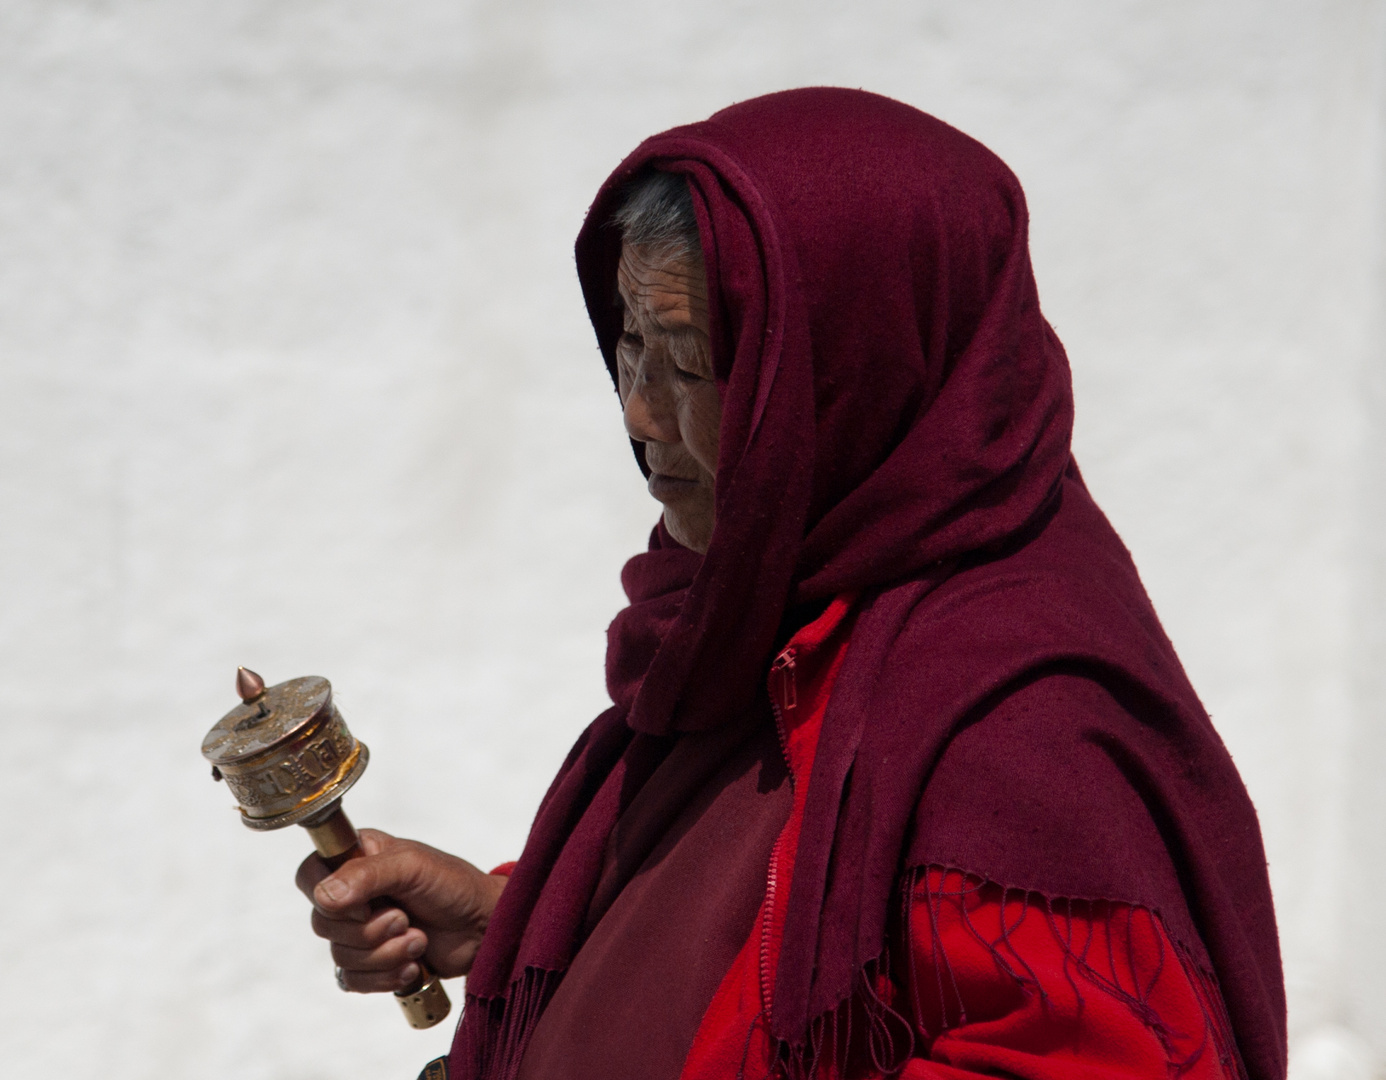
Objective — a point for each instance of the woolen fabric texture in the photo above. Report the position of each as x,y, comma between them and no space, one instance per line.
708,853
896,422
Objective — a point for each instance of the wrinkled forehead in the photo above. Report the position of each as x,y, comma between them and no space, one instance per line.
666,290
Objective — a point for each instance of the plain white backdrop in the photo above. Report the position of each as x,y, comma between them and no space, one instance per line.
294,373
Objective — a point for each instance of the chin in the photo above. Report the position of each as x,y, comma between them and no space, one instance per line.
694,539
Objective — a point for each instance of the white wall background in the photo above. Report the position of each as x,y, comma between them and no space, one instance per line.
294,373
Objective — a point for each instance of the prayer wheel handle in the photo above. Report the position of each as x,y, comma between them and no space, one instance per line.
287,756
424,1000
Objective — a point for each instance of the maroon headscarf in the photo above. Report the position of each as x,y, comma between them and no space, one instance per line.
896,421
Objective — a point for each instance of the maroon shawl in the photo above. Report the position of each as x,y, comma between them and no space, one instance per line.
896,420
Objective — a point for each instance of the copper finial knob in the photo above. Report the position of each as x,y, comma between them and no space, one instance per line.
249,685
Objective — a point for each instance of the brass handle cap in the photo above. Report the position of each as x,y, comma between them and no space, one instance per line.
427,1005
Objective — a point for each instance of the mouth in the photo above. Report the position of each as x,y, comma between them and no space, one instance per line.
668,488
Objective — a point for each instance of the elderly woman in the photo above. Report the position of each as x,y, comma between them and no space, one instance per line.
902,776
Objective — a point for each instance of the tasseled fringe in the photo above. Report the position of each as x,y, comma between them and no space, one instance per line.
866,1034
1098,964
494,1032
862,1035
1219,1023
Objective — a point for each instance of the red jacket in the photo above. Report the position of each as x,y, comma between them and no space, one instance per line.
983,980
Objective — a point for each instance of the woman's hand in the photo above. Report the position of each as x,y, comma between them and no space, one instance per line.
446,903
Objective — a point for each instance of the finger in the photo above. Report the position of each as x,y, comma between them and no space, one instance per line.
310,871
346,893
354,884
313,869
391,956
379,928
378,982
357,913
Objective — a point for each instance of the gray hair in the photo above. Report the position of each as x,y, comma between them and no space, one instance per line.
656,212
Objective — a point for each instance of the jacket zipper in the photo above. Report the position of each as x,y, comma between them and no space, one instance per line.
765,984
784,667
784,695
786,698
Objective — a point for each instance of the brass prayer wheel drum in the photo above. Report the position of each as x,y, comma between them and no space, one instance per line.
288,758
285,754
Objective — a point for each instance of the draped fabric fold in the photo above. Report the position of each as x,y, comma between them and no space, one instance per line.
896,423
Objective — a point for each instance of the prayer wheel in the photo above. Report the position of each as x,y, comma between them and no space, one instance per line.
288,758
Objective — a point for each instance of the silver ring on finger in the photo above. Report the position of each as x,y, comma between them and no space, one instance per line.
341,979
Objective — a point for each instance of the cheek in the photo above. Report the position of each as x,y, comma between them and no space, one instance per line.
700,424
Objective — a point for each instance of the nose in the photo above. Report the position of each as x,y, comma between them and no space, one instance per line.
649,412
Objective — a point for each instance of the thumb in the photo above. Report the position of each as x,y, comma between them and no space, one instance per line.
347,892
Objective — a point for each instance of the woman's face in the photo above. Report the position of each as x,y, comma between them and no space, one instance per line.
664,370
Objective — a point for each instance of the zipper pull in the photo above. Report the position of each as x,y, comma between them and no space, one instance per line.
784,666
